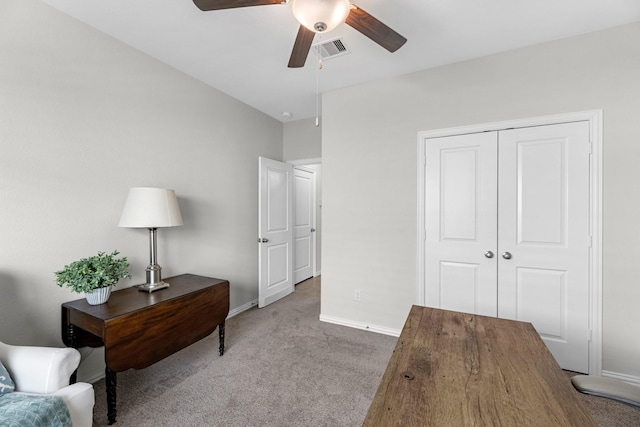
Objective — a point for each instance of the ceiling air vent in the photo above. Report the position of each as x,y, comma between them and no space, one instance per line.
332,48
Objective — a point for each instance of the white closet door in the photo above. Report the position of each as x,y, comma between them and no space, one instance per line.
304,184
507,230
543,232
461,226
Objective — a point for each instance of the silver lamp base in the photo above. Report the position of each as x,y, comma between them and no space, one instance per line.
151,287
154,276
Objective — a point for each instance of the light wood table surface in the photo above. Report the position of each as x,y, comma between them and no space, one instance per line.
456,369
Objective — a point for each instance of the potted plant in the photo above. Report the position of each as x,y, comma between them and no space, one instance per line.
94,275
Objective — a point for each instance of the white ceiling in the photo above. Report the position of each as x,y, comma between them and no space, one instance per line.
244,52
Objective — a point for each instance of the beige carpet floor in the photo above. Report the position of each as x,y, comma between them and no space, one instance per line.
282,367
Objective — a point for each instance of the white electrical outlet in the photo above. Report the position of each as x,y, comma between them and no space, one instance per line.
357,296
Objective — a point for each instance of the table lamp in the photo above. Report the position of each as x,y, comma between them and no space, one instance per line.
151,208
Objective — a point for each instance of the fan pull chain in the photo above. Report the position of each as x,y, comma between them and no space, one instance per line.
318,90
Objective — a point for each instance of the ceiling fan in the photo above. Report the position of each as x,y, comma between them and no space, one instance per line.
316,16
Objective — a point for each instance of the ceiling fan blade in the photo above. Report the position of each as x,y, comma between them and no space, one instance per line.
206,5
374,29
301,47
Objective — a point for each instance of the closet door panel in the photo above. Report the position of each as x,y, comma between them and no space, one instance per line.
542,299
544,233
461,203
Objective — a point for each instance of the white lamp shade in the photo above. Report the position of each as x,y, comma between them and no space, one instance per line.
329,12
150,208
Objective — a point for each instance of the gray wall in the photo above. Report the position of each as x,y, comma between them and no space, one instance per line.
82,119
369,152
302,139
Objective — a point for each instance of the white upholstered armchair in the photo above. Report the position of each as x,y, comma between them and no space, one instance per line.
46,370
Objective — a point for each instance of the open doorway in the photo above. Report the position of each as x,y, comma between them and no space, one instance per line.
282,214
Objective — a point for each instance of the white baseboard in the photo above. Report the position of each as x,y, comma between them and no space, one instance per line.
243,307
97,376
357,325
622,377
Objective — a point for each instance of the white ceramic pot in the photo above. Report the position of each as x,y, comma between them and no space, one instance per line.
98,296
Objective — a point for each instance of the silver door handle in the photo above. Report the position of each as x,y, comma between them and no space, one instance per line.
488,254
506,255
263,240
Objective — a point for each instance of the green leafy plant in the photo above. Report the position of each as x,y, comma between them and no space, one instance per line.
98,271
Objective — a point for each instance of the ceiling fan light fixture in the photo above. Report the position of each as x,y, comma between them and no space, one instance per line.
320,15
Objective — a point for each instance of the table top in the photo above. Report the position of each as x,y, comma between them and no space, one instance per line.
132,299
451,368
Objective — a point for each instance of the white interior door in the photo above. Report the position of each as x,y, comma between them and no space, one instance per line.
544,233
303,223
461,227
535,266
275,238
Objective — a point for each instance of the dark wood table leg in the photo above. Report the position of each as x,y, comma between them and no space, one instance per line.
221,335
112,381
71,339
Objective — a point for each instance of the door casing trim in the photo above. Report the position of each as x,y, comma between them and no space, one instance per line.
594,117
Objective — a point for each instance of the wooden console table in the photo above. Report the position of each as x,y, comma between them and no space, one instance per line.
138,328
456,369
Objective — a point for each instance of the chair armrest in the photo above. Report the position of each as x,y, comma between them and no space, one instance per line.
39,369
80,399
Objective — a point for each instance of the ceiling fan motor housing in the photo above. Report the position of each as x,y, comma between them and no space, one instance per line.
320,15
320,26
